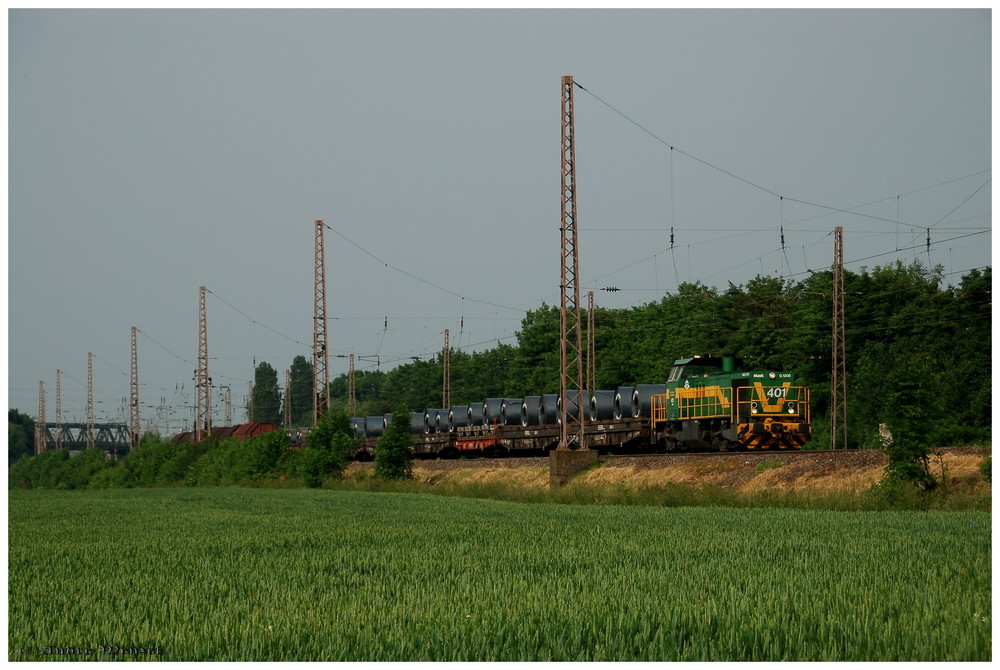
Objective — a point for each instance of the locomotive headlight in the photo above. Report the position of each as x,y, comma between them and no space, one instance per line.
772,375
753,407
791,408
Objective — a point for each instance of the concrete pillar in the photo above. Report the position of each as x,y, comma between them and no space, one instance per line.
564,464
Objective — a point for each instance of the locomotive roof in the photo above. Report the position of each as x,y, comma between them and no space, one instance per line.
706,360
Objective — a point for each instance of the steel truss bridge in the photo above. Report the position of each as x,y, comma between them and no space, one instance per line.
74,436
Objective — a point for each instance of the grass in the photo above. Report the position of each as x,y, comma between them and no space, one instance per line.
299,574
579,492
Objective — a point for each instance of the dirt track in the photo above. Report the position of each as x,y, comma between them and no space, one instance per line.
826,471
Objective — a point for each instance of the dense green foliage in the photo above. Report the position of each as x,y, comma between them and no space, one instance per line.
158,462
266,397
394,451
300,575
900,320
300,394
329,445
20,435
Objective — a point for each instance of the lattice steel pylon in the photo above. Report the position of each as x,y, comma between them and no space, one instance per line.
838,400
203,383
288,399
89,437
571,363
446,374
352,404
58,409
321,370
134,422
228,399
591,345
41,430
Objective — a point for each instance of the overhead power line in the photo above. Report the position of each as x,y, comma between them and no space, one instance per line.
764,189
413,276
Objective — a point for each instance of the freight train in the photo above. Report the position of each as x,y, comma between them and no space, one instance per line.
707,403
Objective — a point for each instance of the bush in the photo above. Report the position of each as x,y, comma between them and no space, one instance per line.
259,456
987,468
43,471
394,451
909,405
329,445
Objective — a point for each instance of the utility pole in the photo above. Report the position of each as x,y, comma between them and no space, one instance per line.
288,398
228,418
838,414
250,401
203,383
321,371
570,345
591,346
90,399
135,425
352,404
41,442
58,409
446,376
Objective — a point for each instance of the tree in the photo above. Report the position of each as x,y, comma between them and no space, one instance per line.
329,444
394,451
266,397
300,391
20,435
909,416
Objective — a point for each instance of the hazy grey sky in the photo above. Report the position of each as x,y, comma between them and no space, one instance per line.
151,152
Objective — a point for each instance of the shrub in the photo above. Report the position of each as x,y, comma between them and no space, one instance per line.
329,444
394,451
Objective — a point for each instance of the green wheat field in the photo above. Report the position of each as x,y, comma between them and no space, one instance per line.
301,574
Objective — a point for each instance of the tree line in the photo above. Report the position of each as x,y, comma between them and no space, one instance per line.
902,326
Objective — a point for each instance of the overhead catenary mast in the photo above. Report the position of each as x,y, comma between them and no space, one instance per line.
446,376
288,398
41,430
570,341
203,383
591,346
838,411
321,371
90,400
352,405
58,409
135,424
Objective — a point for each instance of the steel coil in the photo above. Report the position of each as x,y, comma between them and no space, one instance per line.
491,411
623,402
602,405
548,409
458,417
529,410
642,402
510,411
476,413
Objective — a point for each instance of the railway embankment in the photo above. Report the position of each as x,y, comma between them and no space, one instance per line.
824,472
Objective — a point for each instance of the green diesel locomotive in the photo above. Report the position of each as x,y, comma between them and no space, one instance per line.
716,403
